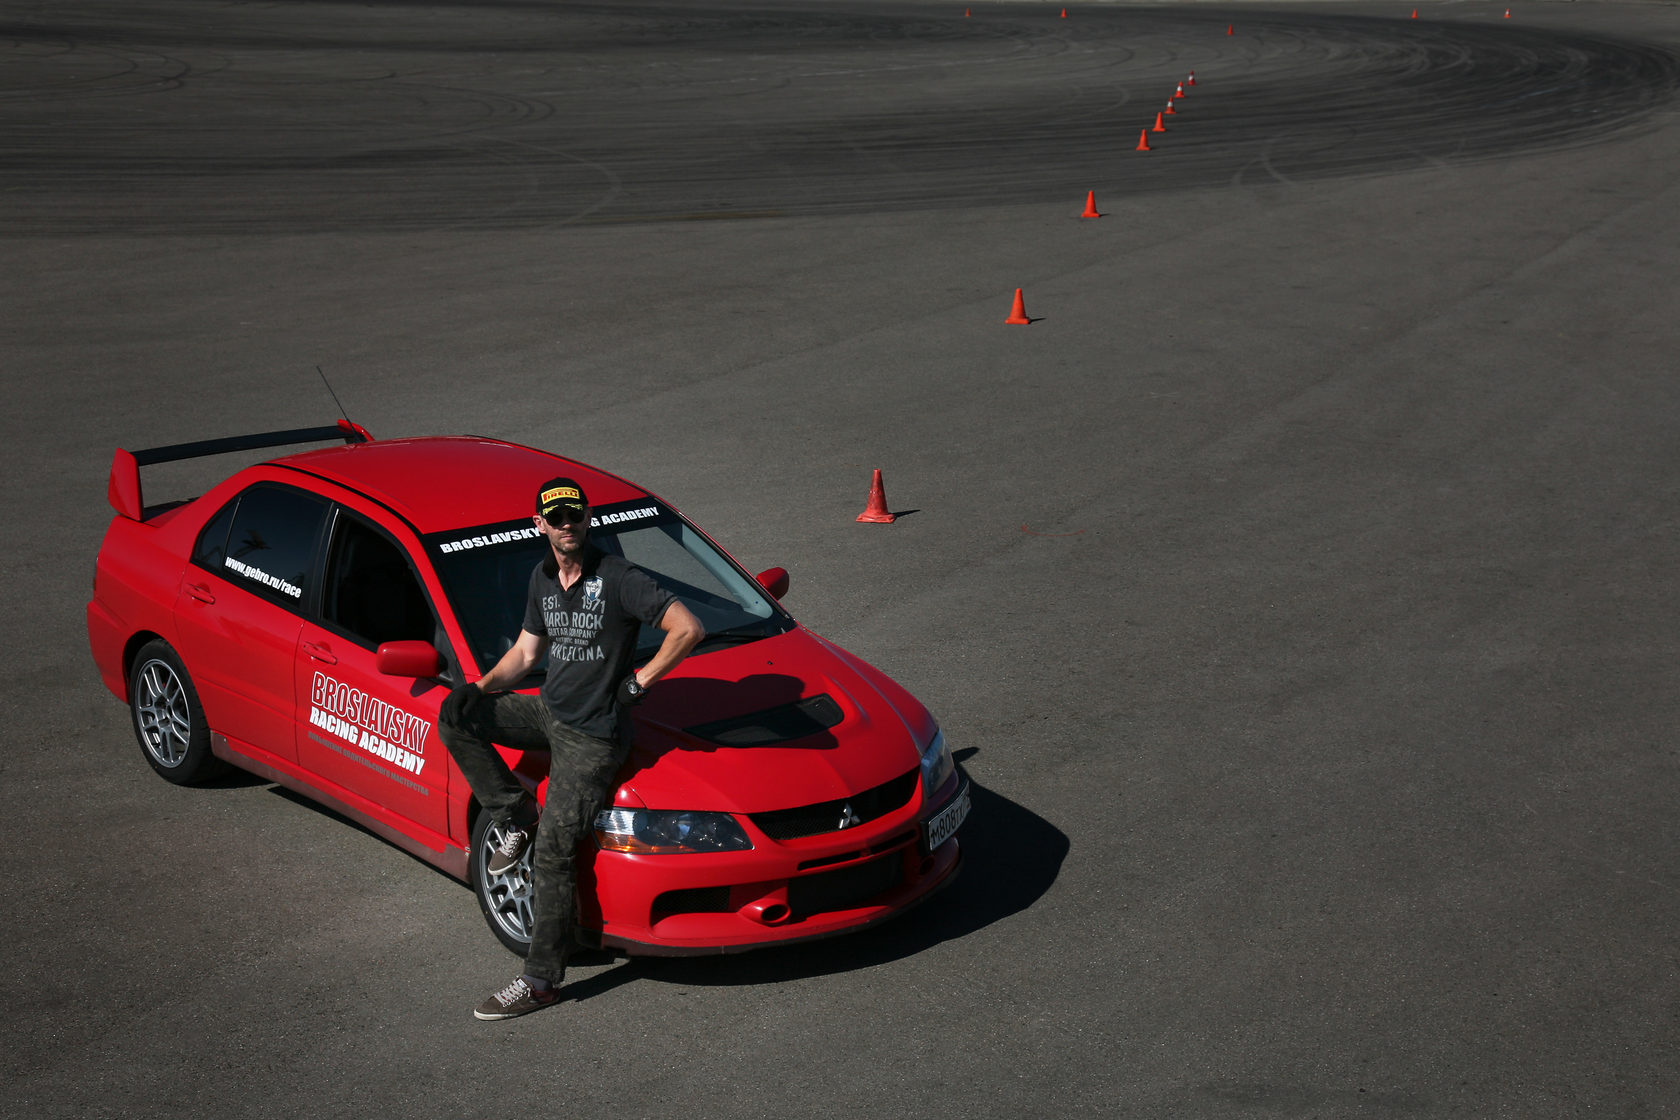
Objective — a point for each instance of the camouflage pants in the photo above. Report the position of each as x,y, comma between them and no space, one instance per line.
581,772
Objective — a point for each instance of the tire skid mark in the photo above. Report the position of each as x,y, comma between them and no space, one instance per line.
652,112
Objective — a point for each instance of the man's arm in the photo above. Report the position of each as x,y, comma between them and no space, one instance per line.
682,633
515,663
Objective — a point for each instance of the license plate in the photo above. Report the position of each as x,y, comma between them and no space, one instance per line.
944,824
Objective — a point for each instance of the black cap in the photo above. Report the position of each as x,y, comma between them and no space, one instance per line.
558,492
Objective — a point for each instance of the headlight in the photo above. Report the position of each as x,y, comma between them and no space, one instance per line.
667,831
937,764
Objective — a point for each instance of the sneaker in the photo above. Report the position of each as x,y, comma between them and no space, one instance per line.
518,998
513,844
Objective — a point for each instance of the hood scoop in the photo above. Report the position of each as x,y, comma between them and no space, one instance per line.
781,724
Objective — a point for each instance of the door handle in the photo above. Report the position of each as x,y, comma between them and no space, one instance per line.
320,652
200,592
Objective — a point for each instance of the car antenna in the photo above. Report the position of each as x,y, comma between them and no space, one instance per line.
334,396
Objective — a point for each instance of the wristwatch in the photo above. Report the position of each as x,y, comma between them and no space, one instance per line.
631,691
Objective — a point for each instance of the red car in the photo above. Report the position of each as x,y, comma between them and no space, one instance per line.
304,619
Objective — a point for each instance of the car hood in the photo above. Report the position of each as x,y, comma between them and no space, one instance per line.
784,721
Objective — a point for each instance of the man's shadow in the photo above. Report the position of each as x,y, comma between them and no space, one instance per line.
1011,856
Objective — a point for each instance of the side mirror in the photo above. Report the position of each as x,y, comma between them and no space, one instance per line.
408,659
775,581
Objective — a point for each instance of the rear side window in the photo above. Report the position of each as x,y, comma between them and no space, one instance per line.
271,542
211,548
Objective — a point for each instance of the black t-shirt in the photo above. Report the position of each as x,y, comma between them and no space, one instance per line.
591,630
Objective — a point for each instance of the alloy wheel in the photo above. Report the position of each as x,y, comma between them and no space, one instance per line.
160,709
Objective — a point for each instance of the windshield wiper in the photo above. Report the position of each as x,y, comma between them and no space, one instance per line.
728,638
738,635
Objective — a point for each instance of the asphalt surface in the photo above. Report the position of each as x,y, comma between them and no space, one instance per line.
1298,586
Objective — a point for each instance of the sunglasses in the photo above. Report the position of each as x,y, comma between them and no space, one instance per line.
571,515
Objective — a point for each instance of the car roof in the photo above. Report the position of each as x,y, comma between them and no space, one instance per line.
439,483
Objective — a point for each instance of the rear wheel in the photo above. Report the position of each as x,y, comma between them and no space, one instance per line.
504,899
168,720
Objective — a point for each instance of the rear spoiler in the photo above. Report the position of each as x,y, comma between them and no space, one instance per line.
124,489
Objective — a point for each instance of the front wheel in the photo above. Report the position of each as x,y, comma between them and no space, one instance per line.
504,899
168,720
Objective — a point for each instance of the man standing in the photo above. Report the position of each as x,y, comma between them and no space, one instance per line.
586,607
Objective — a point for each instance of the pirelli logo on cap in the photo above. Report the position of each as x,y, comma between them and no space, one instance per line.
557,492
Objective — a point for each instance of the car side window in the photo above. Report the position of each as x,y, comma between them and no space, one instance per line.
271,542
211,548
371,592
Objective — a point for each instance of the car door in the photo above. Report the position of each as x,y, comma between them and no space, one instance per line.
372,736
239,613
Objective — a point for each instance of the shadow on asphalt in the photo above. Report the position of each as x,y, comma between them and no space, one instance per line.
1011,856
235,779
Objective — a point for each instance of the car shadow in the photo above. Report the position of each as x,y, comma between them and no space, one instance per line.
231,778
1011,856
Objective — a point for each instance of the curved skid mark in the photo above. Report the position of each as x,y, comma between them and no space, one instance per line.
626,114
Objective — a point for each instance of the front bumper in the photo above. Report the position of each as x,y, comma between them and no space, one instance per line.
779,893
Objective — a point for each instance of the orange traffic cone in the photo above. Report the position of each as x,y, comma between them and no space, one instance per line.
1159,127
1064,13
1414,13
1169,110
876,511
965,13
1179,92
1191,80
1230,29
1018,311
1507,13
1090,205
1143,141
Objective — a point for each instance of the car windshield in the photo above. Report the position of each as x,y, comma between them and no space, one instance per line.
486,569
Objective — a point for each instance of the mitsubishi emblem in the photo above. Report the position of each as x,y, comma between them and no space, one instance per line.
848,817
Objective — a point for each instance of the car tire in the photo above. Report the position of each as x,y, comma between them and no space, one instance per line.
168,719
505,899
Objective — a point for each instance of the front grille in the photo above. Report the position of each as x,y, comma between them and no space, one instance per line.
826,816
873,849
844,888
